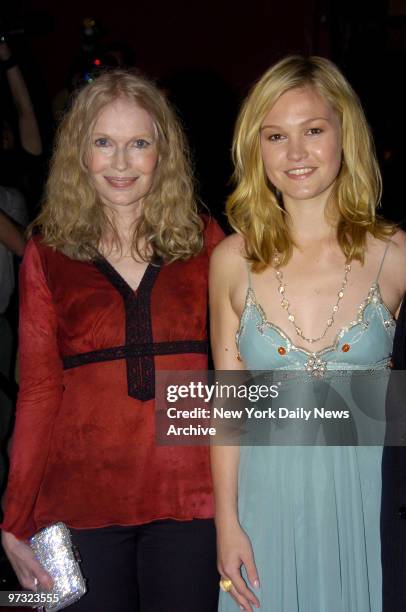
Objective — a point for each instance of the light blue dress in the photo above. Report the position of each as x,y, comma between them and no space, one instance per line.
312,512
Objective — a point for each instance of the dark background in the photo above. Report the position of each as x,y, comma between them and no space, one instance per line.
206,56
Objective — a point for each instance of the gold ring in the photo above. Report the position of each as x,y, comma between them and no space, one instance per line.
226,585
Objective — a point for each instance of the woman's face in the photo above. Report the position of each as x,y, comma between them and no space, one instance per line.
301,146
123,154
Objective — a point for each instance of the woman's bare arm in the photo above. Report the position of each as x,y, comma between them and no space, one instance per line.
234,548
27,121
11,235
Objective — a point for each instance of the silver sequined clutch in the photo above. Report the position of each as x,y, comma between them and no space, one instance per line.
53,548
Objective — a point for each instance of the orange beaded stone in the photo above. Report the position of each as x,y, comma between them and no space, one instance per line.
345,348
281,350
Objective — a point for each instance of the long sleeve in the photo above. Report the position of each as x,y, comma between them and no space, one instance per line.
39,397
84,450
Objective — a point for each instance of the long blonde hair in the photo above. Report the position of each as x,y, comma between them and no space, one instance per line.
73,218
255,209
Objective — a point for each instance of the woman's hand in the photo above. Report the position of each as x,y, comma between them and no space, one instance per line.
234,550
25,565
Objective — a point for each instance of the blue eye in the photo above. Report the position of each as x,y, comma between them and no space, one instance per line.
140,143
101,142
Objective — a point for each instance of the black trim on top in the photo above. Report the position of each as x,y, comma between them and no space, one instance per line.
176,347
138,327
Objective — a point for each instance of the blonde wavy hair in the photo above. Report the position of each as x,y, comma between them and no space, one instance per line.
74,220
255,208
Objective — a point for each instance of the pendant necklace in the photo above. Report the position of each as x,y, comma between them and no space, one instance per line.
286,305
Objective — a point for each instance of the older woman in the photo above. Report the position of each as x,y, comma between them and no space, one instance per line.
309,282
113,287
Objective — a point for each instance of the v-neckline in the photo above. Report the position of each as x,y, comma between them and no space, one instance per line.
118,281
374,290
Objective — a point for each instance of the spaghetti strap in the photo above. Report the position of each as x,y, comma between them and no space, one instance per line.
382,261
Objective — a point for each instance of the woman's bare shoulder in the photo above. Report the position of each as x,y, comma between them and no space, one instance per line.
397,250
396,259
229,252
228,259
399,240
394,245
232,246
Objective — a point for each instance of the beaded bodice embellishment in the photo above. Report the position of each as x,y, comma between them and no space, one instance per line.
315,366
315,363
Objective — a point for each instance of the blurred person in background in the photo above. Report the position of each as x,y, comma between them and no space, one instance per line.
13,217
393,509
20,141
18,147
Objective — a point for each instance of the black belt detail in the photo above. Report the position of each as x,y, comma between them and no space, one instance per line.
137,350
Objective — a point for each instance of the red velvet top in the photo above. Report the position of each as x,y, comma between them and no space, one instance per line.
84,447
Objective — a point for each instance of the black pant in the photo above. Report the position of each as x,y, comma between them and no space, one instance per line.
164,566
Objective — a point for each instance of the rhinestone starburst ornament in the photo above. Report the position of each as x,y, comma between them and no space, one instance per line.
315,366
